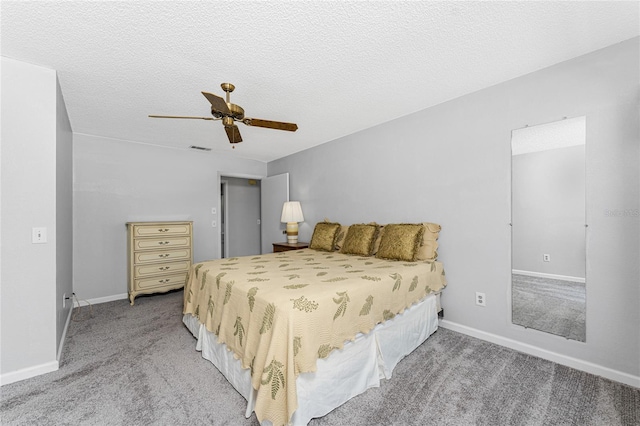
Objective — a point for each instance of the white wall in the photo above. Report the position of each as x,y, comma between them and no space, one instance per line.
28,276
548,211
120,181
450,164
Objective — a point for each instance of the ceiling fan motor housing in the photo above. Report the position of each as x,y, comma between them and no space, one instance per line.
237,113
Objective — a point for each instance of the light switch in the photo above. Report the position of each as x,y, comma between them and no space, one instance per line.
38,235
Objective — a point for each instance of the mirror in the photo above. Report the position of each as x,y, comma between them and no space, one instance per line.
548,258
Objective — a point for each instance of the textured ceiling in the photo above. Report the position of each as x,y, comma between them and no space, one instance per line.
334,68
558,134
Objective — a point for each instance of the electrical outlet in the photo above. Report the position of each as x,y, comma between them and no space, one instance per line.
546,258
481,299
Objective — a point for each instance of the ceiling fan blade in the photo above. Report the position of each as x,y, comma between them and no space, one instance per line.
279,125
182,116
217,103
233,133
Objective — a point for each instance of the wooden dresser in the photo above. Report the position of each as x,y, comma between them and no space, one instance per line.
160,255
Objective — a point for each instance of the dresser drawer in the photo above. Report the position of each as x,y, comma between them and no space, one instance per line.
161,255
162,229
160,243
163,281
145,270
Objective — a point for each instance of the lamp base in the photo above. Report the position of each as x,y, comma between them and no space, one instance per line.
292,232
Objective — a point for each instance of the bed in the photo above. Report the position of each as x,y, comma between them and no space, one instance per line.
298,333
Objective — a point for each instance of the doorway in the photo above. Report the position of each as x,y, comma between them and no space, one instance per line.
273,191
239,216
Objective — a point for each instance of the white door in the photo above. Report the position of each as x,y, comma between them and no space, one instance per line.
274,193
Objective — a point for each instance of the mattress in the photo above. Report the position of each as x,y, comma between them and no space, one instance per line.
345,373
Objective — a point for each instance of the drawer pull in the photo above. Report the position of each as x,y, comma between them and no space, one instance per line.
164,268
164,281
163,243
163,230
164,255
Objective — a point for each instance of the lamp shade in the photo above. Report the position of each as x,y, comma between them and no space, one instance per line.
291,212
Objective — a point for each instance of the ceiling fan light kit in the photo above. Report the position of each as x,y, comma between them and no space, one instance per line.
228,113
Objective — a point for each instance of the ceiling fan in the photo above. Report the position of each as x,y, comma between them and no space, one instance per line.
230,113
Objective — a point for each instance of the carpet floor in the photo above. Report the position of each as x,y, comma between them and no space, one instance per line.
553,306
138,365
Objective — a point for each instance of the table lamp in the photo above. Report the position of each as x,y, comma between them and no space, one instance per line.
291,215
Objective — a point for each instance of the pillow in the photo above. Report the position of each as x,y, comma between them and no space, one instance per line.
342,233
376,244
400,241
324,236
360,239
429,244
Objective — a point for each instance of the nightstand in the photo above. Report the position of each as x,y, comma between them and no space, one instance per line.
289,246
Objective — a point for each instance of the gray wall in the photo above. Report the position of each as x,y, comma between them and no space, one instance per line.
548,211
64,215
243,213
120,181
450,164
28,187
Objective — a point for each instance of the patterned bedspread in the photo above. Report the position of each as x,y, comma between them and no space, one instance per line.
280,312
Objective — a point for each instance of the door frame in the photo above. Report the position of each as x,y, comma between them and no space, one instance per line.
224,213
220,179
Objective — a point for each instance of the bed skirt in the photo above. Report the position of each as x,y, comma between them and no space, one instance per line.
344,373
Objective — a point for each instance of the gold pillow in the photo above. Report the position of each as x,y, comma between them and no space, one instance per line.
360,239
376,244
429,245
342,233
400,242
324,236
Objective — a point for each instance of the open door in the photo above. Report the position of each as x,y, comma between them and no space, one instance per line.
274,193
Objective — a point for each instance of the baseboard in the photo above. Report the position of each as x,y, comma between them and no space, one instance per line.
27,373
598,370
97,300
550,276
